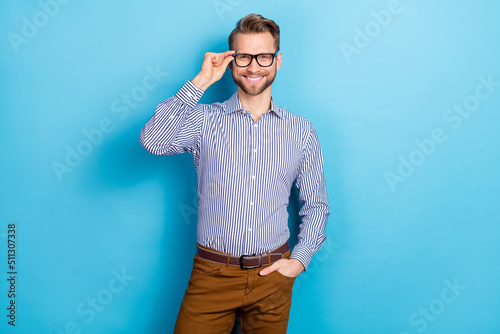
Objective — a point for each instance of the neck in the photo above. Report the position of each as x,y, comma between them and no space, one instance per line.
256,104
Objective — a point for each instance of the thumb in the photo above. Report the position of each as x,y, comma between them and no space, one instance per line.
227,60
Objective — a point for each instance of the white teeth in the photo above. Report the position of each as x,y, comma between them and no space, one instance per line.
254,79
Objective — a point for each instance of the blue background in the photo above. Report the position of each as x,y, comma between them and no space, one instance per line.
410,216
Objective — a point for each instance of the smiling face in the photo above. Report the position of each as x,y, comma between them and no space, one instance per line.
255,79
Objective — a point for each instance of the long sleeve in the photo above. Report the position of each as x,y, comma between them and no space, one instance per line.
312,194
176,124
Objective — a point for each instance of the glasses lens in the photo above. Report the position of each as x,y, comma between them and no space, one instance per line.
243,60
265,59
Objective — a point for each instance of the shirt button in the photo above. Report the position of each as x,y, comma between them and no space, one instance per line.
250,229
189,94
253,177
251,203
255,125
171,116
254,150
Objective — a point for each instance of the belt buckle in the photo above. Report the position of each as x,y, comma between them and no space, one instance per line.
247,267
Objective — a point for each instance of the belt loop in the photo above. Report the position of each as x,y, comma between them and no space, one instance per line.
268,258
227,261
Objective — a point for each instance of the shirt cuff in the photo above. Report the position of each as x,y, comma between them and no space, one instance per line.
302,254
189,94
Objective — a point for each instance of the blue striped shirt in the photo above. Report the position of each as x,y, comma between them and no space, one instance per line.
245,172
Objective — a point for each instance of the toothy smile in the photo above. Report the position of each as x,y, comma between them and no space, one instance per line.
254,80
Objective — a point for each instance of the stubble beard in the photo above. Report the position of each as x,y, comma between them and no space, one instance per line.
253,90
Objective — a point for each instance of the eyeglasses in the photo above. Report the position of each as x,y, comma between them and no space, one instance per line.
263,59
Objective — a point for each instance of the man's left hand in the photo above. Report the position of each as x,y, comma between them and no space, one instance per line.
286,267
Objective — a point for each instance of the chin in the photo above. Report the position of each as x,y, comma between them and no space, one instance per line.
253,91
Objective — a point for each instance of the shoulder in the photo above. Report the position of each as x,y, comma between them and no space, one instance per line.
299,123
300,129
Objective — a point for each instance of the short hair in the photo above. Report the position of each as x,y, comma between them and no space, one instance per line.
256,24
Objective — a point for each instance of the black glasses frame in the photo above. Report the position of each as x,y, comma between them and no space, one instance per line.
255,57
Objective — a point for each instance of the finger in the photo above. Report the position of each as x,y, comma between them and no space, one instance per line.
228,53
216,59
268,270
221,58
209,55
227,60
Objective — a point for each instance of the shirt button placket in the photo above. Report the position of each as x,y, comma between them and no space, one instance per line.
252,178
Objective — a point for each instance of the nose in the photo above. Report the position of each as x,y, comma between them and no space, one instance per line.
253,67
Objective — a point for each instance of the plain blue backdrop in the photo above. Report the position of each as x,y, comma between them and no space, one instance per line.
404,96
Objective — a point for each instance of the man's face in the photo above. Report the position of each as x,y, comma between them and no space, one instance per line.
254,79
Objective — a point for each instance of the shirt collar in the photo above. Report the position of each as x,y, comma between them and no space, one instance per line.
234,104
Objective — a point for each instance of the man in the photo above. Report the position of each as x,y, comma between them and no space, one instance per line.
247,152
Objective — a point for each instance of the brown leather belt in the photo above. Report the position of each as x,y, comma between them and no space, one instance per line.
244,261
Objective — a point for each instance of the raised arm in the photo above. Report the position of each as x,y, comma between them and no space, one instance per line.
176,124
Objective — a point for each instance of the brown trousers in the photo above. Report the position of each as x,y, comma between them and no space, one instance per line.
217,292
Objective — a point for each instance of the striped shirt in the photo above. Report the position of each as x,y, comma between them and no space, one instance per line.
245,172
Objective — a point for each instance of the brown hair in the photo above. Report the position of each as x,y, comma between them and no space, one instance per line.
256,24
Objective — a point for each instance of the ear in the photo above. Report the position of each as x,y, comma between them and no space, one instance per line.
230,66
279,58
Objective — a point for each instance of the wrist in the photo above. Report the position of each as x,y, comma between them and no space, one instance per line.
298,265
201,82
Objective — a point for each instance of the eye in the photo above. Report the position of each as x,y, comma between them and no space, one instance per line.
243,57
264,57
